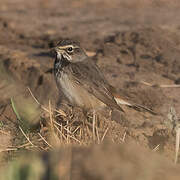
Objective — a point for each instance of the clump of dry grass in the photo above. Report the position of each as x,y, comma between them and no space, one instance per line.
56,129
63,130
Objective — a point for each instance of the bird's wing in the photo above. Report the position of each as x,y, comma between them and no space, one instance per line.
88,75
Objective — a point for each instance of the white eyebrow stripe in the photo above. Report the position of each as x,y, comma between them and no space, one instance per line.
68,46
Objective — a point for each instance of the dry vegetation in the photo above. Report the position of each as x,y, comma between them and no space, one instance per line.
136,45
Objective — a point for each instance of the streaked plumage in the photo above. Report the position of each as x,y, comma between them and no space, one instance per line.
80,79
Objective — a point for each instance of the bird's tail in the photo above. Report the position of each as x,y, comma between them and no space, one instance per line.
119,101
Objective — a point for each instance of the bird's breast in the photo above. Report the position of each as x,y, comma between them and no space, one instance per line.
76,94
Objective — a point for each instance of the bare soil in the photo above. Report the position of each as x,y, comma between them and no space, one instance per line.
133,42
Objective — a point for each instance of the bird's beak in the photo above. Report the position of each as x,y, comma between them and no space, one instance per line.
56,51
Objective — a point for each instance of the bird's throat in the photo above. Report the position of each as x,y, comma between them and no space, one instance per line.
60,63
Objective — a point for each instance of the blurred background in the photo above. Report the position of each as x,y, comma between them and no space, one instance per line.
131,41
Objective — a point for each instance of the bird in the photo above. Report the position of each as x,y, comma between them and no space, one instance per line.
83,84
79,79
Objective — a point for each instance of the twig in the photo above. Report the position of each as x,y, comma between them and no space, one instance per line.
61,133
65,127
17,147
177,144
68,131
8,149
104,134
51,118
75,129
97,133
65,136
23,145
156,148
162,86
26,137
88,131
124,136
45,140
76,139
94,124
51,122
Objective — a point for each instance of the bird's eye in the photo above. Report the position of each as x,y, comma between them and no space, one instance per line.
70,49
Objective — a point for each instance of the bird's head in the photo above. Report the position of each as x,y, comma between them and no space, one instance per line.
70,51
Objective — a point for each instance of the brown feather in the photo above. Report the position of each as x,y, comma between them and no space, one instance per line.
88,75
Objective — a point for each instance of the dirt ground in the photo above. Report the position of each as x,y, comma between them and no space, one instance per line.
133,42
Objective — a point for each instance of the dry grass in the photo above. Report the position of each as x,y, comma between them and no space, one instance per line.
59,130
